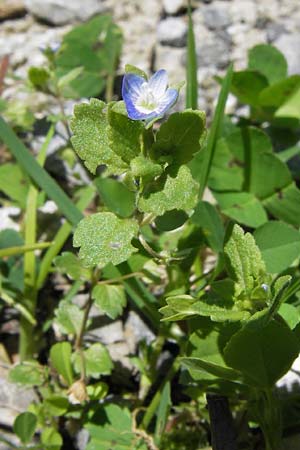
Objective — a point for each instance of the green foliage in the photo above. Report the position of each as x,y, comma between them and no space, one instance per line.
173,190
60,358
179,138
68,263
110,299
90,140
244,259
262,355
69,317
112,244
115,196
206,217
112,425
24,426
279,244
269,61
97,361
95,46
18,190
51,439
28,373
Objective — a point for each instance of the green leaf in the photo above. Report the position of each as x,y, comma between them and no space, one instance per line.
191,66
97,361
290,108
207,217
244,259
38,77
182,306
124,134
179,138
243,207
56,405
95,46
28,373
278,93
90,127
247,85
69,77
290,314
129,68
60,357
38,174
269,61
51,439
279,244
113,430
284,204
115,196
68,263
109,299
163,412
69,317
262,355
104,238
171,220
17,190
171,191
213,136
145,168
24,426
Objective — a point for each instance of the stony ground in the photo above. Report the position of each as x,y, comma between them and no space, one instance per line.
154,37
155,33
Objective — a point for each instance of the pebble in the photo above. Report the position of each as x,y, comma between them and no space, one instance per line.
216,16
172,31
289,45
59,12
172,7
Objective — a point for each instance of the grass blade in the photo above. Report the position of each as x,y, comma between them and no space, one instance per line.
215,131
38,174
191,68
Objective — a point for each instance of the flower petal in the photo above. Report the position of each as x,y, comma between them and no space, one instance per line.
158,83
168,100
131,86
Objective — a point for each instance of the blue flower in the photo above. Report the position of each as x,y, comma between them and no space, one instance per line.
147,100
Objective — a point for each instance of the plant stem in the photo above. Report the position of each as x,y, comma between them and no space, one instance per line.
27,344
152,408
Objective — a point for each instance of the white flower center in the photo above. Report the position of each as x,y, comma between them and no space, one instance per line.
147,101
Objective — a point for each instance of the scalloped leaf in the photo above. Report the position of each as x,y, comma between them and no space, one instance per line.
171,191
105,238
90,141
125,135
180,136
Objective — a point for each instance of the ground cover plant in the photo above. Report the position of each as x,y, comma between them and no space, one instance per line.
216,282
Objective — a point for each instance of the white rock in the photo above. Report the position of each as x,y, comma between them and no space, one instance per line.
289,45
5,218
174,6
59,12
216,15
172,31
245,11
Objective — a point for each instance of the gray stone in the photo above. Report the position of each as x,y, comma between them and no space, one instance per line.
135,330
81,439
274,31
14,399
59,12
215,50
174,6
216,16
289,45
172,31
